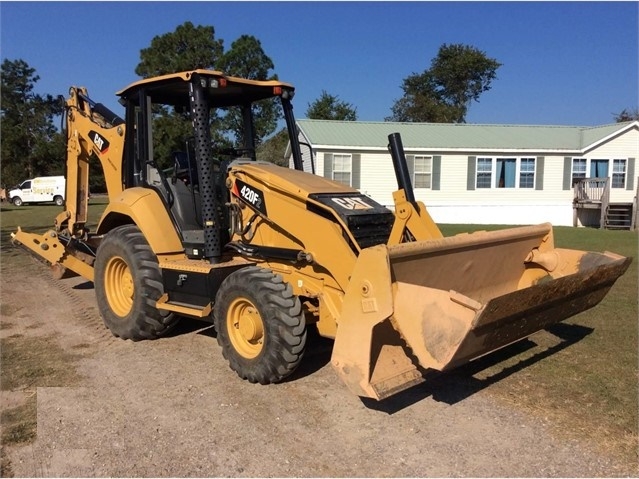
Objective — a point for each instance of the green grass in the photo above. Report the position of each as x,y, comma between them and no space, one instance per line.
589,388
32,362
37,219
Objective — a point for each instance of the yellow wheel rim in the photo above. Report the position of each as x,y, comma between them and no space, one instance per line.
245,327
118,286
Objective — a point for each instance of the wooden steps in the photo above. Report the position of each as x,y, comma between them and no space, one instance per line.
618,216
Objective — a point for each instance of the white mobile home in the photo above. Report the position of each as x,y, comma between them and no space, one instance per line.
488,174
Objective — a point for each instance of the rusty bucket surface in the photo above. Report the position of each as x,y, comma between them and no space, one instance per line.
441,303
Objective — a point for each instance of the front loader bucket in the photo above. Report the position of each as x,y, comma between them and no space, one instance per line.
440,303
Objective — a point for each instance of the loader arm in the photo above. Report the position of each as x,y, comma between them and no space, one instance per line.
412,220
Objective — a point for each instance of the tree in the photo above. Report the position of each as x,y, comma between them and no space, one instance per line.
422,102
273,149
627,114
31,144
330,107
247,59
187,48
457,76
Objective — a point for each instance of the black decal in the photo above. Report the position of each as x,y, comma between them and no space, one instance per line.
99,141
250,195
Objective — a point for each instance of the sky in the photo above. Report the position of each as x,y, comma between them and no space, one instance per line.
563,63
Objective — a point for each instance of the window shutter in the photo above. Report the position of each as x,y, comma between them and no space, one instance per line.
328,165
472,171
356,168
539,173
437,172
630,174
567,172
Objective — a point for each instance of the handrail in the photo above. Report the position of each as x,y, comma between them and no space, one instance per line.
635,209
590,190
605,201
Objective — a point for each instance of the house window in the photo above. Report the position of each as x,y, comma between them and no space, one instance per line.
527,173
423,166
484,172
618,173
506,172
578,170
342,168
599,169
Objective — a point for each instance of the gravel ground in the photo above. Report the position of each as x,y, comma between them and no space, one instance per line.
173,408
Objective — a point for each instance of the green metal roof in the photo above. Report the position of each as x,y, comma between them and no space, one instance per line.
464,136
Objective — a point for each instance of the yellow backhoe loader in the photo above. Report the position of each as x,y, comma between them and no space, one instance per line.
265,252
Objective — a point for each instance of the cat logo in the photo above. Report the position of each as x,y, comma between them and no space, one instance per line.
353,203
99,141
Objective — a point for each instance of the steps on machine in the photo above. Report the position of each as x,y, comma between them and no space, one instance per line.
183,308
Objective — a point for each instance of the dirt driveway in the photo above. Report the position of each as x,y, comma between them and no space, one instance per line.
173,408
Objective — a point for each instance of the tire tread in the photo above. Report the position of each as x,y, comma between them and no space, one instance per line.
284,322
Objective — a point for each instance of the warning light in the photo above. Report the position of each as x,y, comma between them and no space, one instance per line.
217,82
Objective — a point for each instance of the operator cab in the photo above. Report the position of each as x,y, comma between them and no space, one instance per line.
188,170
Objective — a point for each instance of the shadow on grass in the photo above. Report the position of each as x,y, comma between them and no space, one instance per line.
458,384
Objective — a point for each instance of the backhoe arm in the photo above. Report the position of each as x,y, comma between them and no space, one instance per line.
93,131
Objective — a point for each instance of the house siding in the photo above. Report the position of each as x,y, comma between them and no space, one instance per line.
624,146
454,202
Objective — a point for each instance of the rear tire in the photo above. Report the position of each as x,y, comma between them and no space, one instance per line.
260,325
58,200
17,201
128,283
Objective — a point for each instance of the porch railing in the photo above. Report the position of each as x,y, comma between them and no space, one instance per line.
592,193
591,190
635,209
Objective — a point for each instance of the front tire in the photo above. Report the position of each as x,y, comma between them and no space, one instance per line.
128,283
260,325
17,201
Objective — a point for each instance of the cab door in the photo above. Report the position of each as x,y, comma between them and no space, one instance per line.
27,193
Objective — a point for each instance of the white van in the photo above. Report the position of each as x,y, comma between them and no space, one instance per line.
43,189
